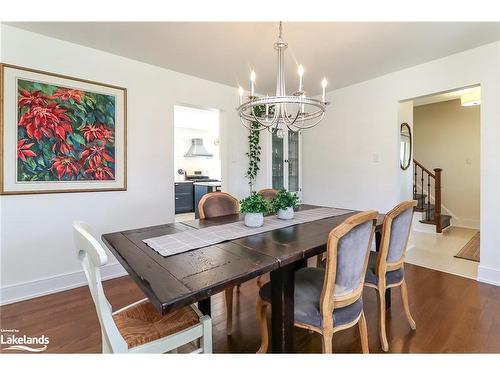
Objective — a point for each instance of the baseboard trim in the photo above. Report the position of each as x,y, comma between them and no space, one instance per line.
488,275
37,288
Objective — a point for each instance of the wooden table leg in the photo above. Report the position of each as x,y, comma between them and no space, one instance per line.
205,306
282,289
378,239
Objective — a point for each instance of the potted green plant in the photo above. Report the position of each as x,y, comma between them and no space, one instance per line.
283,204
254,207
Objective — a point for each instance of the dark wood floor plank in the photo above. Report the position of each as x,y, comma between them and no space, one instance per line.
453,315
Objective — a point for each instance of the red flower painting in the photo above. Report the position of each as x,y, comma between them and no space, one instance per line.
23,150
64,134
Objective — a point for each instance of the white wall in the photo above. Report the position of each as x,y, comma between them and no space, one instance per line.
37,253
355,151
446,135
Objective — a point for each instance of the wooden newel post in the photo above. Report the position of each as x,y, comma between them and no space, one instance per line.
437,199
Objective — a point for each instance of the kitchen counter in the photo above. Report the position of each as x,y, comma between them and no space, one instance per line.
211,183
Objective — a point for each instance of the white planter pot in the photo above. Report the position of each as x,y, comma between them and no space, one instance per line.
254,220
286,214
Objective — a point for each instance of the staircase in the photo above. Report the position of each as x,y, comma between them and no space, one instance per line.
427,193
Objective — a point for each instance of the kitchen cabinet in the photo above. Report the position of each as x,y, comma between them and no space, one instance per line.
184,194
286,170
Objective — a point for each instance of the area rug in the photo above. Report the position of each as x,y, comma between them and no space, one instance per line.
471,250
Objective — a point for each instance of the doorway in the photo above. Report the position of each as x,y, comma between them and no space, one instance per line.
446,142
197,161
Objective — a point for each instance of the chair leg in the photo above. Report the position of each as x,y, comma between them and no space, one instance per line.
327,342
229,310
259,281
381,319
262,318
406,306
206,339
363,333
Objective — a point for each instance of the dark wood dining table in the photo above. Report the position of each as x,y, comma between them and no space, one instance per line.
193,276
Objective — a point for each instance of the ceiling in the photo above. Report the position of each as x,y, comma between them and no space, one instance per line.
225,52
445,96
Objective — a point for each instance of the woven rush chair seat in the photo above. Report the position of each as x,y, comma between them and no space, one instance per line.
139,327
141,323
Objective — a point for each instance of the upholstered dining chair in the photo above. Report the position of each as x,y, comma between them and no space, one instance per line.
137,328
214,205
386,267
268,194
328,300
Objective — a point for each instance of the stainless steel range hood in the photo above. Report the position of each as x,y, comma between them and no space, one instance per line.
197,149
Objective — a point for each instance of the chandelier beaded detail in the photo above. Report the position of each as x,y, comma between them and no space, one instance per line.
296,111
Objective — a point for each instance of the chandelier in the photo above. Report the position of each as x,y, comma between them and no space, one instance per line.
296,111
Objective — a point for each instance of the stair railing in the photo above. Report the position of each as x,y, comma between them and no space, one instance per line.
429,182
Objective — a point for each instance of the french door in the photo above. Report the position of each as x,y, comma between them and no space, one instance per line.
286,148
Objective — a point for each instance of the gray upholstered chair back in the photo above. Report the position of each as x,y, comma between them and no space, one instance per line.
352,253
400,230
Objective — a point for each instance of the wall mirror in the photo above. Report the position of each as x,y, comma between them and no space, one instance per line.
405,146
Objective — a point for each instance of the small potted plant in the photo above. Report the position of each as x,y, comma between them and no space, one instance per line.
283,204
254,207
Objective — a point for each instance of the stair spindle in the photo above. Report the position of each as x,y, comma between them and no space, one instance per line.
422,187
437,199
428,196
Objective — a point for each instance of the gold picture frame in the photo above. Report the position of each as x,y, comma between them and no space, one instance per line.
88,152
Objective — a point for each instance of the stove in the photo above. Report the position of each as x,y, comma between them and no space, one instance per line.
198,177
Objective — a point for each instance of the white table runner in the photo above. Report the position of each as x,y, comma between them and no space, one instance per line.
171,244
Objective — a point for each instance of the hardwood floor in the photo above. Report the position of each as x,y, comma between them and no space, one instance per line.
453,315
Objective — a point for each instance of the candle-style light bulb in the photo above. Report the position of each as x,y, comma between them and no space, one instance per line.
301,77
323,85
252,79
240,93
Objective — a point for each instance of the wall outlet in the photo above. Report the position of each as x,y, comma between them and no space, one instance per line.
376,158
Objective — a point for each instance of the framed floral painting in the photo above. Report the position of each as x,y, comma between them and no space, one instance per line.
60,134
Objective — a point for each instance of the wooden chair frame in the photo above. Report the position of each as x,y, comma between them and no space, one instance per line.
92,256
263,191
206,197
328,302
228,293
382,267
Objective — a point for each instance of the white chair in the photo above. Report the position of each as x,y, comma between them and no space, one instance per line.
138,328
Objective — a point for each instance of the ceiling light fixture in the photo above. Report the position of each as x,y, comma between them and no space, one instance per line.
470,99
272,112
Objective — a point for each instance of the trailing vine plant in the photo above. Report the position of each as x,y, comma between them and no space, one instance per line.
254,150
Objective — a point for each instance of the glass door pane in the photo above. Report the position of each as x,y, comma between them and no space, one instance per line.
293,161
277,162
